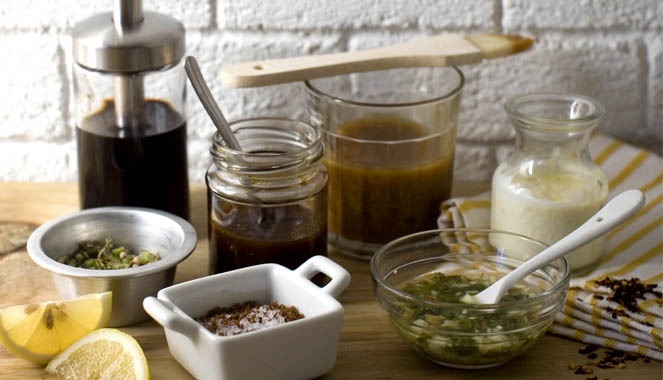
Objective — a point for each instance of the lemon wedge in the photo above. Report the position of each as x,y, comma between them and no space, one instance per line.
38,332
102,354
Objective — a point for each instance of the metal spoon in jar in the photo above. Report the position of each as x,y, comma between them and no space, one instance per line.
618,210
210,105
266,216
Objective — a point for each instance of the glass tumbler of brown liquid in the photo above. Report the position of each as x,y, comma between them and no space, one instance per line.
268,202
389,139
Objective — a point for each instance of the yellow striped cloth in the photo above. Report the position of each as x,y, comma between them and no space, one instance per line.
633,250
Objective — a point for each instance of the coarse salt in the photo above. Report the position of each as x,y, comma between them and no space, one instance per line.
246,317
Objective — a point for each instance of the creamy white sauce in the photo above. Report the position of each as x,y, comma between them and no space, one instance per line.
547,207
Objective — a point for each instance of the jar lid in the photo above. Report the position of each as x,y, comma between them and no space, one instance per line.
154,43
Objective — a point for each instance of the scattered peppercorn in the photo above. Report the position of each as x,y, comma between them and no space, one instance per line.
610,359
627,292
616,358
588,349
617,313
632,357
582,370
605,365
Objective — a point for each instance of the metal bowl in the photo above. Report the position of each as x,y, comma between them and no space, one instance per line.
172,237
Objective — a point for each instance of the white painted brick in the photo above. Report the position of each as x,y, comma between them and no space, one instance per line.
607,69
503,151
32,105
344,14
607,49
193,14
588,14
46,14
64,14
37,161
655,93
459,14
473,163
199,159
472,123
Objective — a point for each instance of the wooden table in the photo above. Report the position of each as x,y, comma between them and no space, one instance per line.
369,347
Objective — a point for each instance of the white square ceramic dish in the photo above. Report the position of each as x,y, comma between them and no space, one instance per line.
301,349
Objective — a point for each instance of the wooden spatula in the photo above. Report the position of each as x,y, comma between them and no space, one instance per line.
439,50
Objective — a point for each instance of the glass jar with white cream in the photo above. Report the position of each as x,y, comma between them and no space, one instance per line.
549,186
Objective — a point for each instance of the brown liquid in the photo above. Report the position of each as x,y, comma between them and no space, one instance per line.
146,167
243,235
379,192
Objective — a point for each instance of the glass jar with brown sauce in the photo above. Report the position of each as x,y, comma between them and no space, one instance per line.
390,142
268,202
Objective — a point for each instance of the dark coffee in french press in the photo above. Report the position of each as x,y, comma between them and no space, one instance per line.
129,87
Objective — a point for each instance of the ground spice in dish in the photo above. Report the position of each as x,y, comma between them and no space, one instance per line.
247,316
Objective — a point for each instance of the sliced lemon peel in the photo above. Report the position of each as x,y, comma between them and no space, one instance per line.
102,354
37,332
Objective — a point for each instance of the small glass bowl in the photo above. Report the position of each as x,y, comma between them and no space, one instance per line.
458,334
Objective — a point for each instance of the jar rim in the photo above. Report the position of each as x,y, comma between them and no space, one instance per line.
282,129
315,90
520,108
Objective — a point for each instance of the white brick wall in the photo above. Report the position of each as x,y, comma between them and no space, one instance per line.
611,50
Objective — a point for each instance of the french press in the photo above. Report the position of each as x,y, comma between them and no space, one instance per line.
129,89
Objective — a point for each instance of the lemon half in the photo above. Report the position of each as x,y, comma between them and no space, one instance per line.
38,332
102,354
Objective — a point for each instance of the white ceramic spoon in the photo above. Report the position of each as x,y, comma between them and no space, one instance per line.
619,209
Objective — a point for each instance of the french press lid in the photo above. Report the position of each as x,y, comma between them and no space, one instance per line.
128,43
128,40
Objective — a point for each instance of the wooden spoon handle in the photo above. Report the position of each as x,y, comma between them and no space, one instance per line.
442,50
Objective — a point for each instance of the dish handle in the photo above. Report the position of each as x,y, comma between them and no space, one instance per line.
340,277
163,311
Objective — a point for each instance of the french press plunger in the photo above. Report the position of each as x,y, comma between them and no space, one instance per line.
129,88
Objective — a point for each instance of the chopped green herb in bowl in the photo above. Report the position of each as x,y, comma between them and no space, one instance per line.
420,281
104,255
